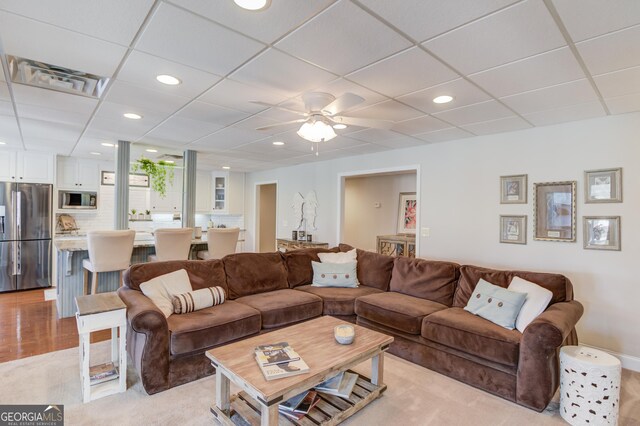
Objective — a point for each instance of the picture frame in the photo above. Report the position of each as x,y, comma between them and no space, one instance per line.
554,213
407,213
603,186
601,233
139,180
513,189
513,229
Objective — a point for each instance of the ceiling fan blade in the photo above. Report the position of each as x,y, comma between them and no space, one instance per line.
343,103
279,107
271,126
364,122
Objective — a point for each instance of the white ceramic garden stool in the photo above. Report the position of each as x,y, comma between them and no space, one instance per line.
589,386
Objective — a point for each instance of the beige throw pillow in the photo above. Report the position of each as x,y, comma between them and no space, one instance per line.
346,257
161,289
198,299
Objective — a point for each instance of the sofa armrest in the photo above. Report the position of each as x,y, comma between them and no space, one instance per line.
147,339
538,366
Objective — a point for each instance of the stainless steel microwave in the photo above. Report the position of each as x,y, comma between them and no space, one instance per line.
77,200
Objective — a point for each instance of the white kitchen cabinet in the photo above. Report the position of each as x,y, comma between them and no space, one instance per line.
26,166
76,173
203,192
172,202
227,192
236,193
219,183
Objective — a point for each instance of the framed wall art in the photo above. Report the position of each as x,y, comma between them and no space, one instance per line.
601,232
513,189
603,186
554,214
407,212
513,229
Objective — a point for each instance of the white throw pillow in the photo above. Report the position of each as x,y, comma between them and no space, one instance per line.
161,289
345,257
538,299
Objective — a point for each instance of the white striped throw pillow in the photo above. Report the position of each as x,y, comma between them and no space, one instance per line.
198,299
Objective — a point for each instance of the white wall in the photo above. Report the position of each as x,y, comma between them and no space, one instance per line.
362,220
460,202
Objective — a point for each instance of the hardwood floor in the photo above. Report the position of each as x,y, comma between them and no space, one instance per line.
29,326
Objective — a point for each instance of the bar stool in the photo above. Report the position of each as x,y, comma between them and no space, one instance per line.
220,242
108,251
172,244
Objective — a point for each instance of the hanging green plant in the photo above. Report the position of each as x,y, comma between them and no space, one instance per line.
159,173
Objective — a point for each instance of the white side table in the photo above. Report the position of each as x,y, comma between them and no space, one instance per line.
100,312
589,386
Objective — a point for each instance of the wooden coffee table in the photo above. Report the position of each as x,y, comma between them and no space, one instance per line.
258,401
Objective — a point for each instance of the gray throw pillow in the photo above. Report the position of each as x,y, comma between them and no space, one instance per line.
496,304
334,274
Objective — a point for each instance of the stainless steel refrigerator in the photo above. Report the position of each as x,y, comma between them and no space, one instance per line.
25,236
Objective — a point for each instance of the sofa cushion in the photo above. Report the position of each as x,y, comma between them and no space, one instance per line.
205,274
212,326
251,273
374,270
558,284
426,279
298,263
339,301
461,330
283,307
396,310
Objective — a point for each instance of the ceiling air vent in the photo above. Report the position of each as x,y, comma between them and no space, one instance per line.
53,77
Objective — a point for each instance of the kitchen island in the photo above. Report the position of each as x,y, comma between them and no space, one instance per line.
71,251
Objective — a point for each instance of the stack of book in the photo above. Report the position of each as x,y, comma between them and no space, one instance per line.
340,385
279,360
297,407
103,373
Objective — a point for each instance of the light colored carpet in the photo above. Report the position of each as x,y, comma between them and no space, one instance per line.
415,396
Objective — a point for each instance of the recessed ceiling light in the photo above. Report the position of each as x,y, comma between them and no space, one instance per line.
2,143
253,4
95,153
168,79
278,143
442,99
169,161
109,144
132,115
226,167
339,126
152,150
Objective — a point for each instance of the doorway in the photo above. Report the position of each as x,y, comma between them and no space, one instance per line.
266,217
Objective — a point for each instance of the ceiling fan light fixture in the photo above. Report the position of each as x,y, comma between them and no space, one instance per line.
442,99
316,131
254,5
339,126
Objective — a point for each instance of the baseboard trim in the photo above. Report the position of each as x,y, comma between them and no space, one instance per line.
50,294
628,361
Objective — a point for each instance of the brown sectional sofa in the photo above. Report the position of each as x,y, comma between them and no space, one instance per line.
417,301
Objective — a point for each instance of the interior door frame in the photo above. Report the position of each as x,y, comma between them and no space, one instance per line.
372,172
256,237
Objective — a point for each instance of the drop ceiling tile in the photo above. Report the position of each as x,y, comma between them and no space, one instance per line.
110,118
236,95
4,92
571,113
376,135
463,92
367,148
119,129
546,69
501,125
116,21
619,83
612,52
54,115
623,104
141,69
405,72
205,112
58,46
423,19
183,130
444,135
6,108
516,32
229,137
281,73
28,95
575,92
589,18
191,40
254,122
303,146
9,132
362,39
46,130
420,125
483,111
144,99
405,142
268,25
62,147
388,110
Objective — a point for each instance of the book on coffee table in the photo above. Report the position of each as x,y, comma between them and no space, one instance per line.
278,353
285,369
340,385
304,405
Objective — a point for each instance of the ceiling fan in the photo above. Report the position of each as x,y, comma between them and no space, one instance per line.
323,114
